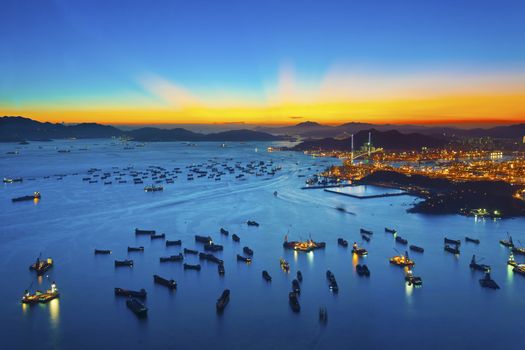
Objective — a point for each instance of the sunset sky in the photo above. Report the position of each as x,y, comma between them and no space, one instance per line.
263,62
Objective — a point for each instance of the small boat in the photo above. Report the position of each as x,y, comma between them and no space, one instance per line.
452,241
332,281
223,300
190,251
252,223
172,243
41,266
224,232
415,248
153,188
131,293
284,265
299,276
266,276
519,269
518,250
12,180
451,249
235,238
137,307
359,251
247,251
203,239
102,251
507,242
413,280
173,258
171,284
159,236
488,282
244,259
323,315
362,270
480,267
296,287
401,240
128,263
402,260
213,247
294,302
366,232
35,195
390,230
39,297
471,240
365,237
135,249
220,269
192,267
342,242
144,232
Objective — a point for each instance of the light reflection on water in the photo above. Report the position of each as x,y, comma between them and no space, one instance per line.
510,274
54,312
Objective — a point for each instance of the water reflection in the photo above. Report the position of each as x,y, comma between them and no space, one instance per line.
510,274
54,312
355,260
310,257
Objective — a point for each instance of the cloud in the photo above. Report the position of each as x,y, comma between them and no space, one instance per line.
169,93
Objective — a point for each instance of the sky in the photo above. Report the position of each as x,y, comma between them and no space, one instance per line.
263,62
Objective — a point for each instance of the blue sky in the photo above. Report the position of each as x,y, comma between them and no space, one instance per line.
85,51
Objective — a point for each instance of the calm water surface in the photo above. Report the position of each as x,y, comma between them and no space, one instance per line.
450,311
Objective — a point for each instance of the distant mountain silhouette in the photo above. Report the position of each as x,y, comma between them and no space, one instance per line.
16,129
392,140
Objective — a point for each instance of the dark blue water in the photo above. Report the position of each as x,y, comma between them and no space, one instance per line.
450,311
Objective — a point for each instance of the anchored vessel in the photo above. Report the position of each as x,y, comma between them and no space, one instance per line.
402,260
137,307
39,297
35,195
170,283
223,300
131,293
41,266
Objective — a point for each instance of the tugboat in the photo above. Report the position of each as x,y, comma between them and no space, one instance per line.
488,282
119,263
401,240
451,249
294,302
41,266
457,242
102,251
244,259
342,242
411,279
299,276
332,282
415,248
173,243
190,251
366,232
39,297
252,223
144,232
247,251
296,288
359,251
224,232
223,300
173,258
131,293
362,270
480,267
507,243
220,269
471,240
196,267
284,265
402,260
235,238
137,307
266,276
135,249
171,284
35,195
390,230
